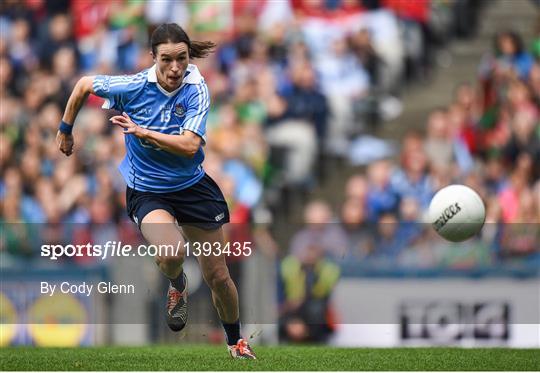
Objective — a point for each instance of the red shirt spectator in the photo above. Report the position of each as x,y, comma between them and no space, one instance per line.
87,16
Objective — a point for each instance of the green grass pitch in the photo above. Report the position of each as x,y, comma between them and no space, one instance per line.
190,357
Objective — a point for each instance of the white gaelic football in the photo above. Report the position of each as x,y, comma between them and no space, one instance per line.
457,213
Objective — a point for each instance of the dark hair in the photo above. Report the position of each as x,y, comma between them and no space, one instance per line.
514,36
171,32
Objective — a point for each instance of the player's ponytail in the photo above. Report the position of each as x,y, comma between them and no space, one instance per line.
201,49
171,32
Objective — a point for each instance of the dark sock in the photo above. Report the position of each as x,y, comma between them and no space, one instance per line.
232,332
178,283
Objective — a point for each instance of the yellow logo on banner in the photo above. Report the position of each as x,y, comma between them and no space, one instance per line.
8,320
57,320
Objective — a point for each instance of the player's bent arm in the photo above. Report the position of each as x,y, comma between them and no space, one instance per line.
64,138
78,96
186,144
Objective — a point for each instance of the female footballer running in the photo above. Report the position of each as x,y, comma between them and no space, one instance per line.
164,111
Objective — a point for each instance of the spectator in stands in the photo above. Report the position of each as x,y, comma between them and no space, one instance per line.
410,221
438,144
356,188
412,180
344,81
462,128
297,123
353,219
306,283
381,197
467,98
59,36
89,28
21,50
304,100
389,241
511,56
509,61
444,150
519,98
361,45
319,229
382,21
524,141
509,197
494,175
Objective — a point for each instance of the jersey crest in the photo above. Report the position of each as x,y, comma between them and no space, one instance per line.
179,110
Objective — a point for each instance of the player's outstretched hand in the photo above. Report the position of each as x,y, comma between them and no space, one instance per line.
127,124
65,143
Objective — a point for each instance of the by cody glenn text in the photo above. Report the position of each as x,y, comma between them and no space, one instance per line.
85,288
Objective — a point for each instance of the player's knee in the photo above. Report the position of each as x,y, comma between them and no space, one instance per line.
218,278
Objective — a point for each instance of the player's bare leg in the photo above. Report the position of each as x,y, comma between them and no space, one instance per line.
158,228
216,274
224,292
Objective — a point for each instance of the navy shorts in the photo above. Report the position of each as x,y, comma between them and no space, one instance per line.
201,205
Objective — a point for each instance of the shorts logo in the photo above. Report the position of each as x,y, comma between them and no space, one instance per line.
179,110
136,219
220,216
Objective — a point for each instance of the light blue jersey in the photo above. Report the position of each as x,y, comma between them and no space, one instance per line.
146,167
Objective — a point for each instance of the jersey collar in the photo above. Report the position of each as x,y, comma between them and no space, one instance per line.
192,76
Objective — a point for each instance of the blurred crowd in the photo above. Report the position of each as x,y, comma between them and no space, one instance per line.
291,81
488,138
